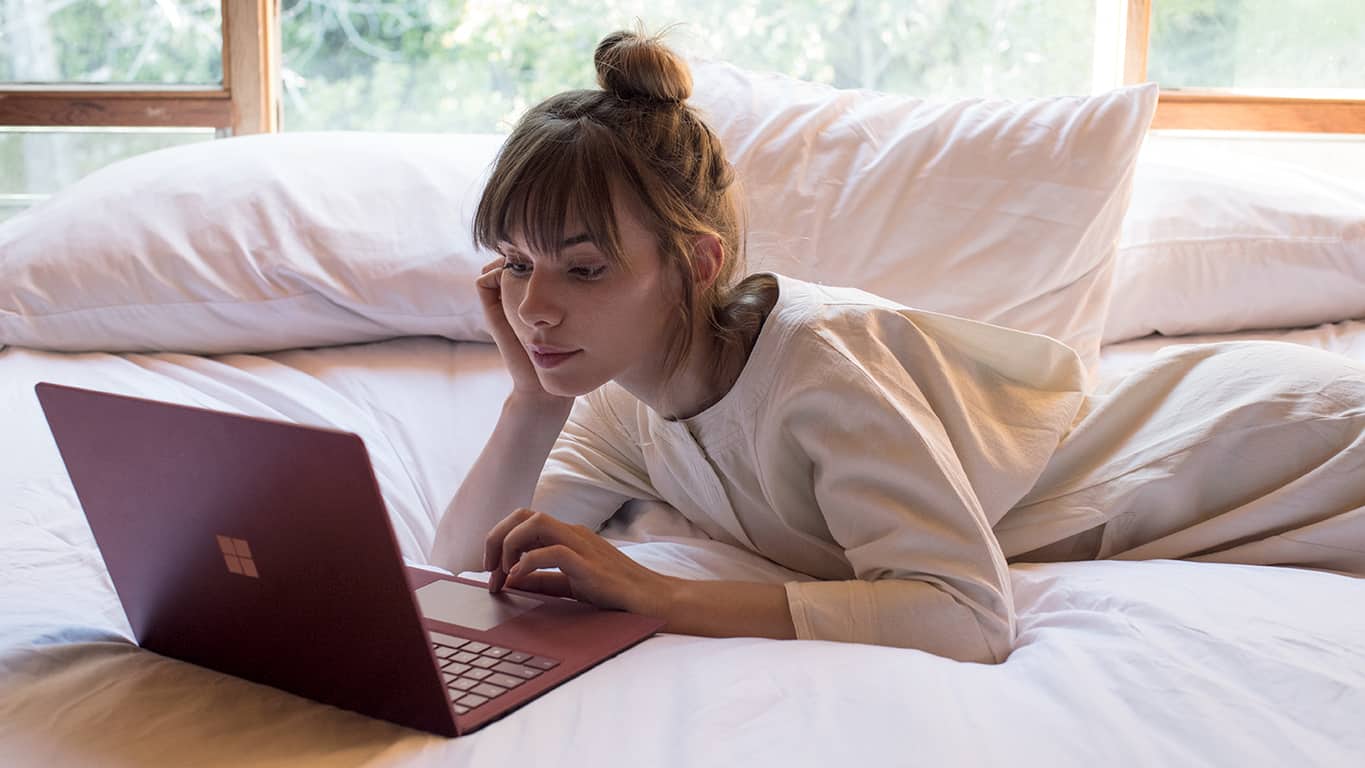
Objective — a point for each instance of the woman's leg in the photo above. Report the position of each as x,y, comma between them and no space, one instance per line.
1250,452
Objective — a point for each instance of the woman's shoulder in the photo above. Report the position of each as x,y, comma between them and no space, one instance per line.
813,319
821,334
869,336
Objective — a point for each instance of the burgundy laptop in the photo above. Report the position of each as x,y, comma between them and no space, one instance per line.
263,549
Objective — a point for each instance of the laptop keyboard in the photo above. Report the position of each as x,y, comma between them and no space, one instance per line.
476,673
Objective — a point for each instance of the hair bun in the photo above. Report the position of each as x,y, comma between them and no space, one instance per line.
632,65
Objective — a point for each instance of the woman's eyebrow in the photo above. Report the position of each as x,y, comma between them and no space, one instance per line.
506,247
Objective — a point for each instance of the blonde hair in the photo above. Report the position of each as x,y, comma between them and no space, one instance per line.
567,154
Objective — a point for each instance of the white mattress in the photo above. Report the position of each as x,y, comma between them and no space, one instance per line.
1160,663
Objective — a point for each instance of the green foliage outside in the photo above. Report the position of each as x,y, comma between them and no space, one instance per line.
475,65
1257,44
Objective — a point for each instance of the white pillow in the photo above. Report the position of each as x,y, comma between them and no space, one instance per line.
253,244
1003,211
1217,241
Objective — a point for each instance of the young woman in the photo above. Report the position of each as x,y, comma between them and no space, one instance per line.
900,458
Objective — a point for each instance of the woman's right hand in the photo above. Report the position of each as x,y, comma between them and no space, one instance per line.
525,382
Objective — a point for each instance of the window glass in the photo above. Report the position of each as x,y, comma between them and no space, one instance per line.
1258,44
35,162
176,42
410,65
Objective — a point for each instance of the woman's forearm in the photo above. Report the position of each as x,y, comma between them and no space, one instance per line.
502,479
727,609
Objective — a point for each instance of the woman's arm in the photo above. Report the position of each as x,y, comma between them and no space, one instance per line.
728,609
504,476
502,479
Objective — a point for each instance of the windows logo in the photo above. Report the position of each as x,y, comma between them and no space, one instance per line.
238,556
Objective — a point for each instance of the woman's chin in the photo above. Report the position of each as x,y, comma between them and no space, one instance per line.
567,386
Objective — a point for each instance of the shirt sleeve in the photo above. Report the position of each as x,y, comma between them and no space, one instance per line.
895,496
595,466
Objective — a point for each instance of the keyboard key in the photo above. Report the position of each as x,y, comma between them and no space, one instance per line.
478,674
496,653
526,673
472,700
506,681
474,647
449,677
443,652
540,662
463,657
460,709
517,657
458,669
463,683
441,638
489,690
483,662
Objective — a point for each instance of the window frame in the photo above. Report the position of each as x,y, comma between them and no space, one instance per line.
1210,110
249,100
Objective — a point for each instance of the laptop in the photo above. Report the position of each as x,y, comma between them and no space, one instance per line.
263,549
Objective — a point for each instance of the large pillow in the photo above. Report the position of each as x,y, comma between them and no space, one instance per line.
253,244
1003,211
1218,241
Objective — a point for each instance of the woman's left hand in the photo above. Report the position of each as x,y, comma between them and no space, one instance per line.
591,569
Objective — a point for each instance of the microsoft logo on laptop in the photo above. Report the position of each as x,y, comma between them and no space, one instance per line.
238,556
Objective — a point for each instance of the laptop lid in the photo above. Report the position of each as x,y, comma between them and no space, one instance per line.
229,540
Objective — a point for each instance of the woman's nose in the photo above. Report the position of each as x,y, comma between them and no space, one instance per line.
538,305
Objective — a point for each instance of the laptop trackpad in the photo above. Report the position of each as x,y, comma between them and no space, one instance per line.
473,607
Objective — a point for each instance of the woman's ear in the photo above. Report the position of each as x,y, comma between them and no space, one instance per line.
708,256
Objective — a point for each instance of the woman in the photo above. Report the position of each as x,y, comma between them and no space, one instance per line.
900,458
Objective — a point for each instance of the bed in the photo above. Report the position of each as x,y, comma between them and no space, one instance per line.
1123,663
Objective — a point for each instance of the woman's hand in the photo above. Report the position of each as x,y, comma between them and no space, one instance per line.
591,569
524,378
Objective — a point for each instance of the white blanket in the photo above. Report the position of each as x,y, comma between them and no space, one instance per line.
1159,663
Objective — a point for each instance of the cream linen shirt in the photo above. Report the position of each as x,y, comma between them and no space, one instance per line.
866,444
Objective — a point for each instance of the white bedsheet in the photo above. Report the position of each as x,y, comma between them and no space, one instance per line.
1346,338
1160,663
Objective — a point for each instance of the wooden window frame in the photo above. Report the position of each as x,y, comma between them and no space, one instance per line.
1209,110
248,101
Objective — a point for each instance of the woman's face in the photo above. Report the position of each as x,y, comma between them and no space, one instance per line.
584,320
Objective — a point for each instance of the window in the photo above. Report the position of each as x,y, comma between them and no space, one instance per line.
1305,47
119,41
418,66
1252,65
85,82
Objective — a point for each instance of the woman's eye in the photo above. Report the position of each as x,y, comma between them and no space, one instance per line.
589,273
517,268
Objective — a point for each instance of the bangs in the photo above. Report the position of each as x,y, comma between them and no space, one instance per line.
552,171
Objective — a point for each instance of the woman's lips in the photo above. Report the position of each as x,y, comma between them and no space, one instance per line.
551,359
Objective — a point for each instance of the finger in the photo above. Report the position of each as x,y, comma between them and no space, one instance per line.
492,264
532,532
544,582
490,281
492,543
560,556
496,581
